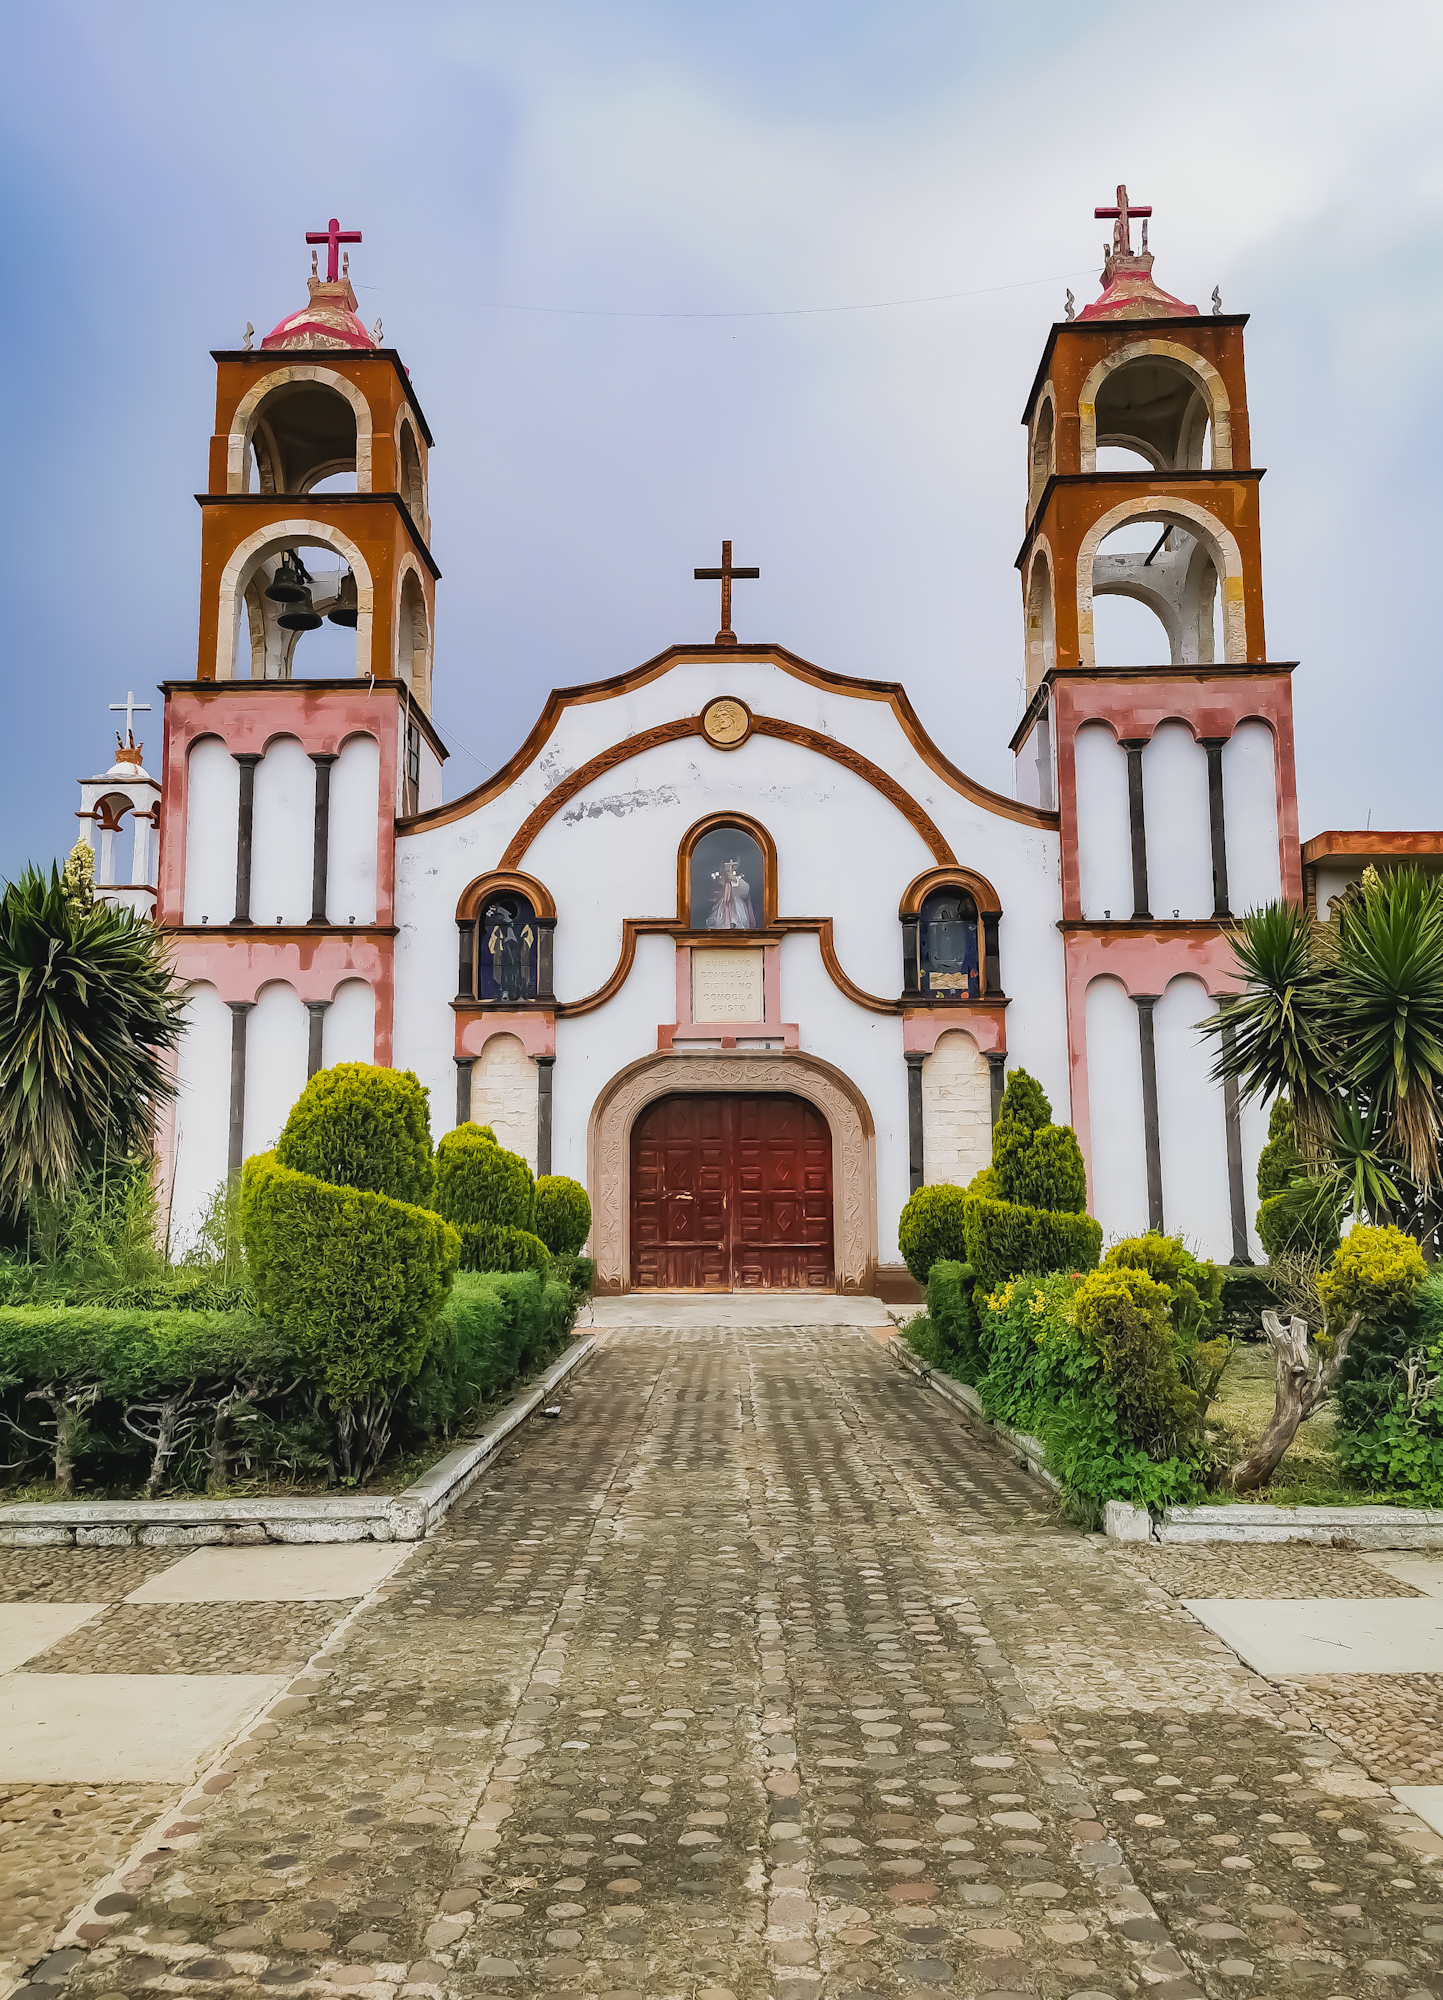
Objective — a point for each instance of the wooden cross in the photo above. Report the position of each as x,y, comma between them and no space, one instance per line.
334,236
1118,217
726,636
129,708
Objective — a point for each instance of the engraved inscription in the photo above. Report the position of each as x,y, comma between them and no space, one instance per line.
726,985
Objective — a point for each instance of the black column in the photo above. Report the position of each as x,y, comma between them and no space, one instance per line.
544,1067
997,1066
1138,824
463,1089
247,759
1214,747
915,1163
323,760
239,1010
1145,1002
317,1011
1233,1124
911,968
466,962
991,958
545,933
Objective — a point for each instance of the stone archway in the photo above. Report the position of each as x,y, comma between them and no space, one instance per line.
854,1180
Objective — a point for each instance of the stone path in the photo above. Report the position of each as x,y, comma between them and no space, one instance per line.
755,1675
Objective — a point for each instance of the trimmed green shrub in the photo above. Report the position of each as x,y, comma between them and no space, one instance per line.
361,1126
492,1246
562,1214
578,1274
357,1279
1279,1163
930,1227
478,1181
1195,1285
1123,1315
1297,1223
1003,1239
1037,1164
954,1316
493,1327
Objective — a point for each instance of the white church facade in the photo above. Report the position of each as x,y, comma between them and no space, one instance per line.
729,939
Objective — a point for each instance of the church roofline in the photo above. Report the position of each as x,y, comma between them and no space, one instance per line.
267,359
1104,332
890,692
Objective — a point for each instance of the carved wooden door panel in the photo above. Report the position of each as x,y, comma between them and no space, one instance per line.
731,1191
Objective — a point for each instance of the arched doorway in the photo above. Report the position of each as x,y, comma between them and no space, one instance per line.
731,1190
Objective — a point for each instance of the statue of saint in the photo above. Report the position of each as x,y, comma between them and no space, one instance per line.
731,905
949,947
509,939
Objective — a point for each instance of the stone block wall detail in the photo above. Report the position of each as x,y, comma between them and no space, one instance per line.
956,1110
503,1095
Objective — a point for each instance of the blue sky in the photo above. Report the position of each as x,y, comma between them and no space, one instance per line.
639,163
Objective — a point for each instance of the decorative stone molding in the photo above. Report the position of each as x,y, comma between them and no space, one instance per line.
244,421
248,555
1209,530
608,1150
1188,362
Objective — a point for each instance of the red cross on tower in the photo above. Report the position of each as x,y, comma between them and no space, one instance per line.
1118,217
334,236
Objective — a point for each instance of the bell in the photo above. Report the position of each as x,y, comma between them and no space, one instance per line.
346,610
302,617
289,585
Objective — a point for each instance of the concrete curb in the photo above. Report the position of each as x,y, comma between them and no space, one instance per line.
1027,1451
401,1517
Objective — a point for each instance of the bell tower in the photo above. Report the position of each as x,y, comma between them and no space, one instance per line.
281,790
1173,781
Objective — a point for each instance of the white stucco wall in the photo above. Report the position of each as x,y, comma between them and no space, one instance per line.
1178,823
211,823
1104,830
844,851
1250,816
202,1113
351,844
283,833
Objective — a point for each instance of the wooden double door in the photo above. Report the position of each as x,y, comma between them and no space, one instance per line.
731,1192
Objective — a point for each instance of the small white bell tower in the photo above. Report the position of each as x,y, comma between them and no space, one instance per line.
125,867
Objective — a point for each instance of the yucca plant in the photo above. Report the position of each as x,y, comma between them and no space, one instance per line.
1346,1019
88,1011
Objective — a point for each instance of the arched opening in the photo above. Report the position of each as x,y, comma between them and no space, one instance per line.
298,613
1043,459
507,949
413,640
413,478
949,962
1152,572
1156,407
1122,458
726,877
1041,623
302,434
731,1191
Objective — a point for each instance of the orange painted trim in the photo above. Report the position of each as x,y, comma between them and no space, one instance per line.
1347,846
673,732
476,891
746,824
988,902
891,692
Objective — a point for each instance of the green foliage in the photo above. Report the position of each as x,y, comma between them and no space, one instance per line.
357,1279
88,1013
360,1126
1195,1286
478,1181
1123,1314
492,1246
1002,1239
77,878
562,1214
1036,1164
131,1353
578,1274
494,1327
1279,1163
952,1313
1374,1272
1303,1218
932,1226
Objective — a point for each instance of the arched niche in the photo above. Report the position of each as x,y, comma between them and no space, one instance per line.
411,474
412,646
243,585
212,811
705,853
302,424
950,945
488,963
1041,624
1043,455
1158,398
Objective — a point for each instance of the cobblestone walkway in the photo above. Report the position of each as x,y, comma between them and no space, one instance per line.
758,1675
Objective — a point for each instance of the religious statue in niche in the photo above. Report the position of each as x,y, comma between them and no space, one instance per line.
507,953
727,882
947,946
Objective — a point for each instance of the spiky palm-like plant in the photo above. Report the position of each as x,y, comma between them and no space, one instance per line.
1346,1018
88,1010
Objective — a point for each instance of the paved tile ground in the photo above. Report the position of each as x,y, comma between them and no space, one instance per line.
758,1675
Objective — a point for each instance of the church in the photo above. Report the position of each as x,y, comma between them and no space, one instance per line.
730,939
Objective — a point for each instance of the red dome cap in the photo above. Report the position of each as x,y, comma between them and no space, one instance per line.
328,319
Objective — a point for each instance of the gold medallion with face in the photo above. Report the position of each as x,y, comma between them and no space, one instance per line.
725,722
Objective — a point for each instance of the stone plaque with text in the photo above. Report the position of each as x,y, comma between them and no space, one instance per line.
726,985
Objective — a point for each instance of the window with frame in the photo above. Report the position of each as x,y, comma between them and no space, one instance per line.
506,948
949,962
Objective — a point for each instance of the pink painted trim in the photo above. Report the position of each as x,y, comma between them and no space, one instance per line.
1144,963
535,1032
922,1030
671,1035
